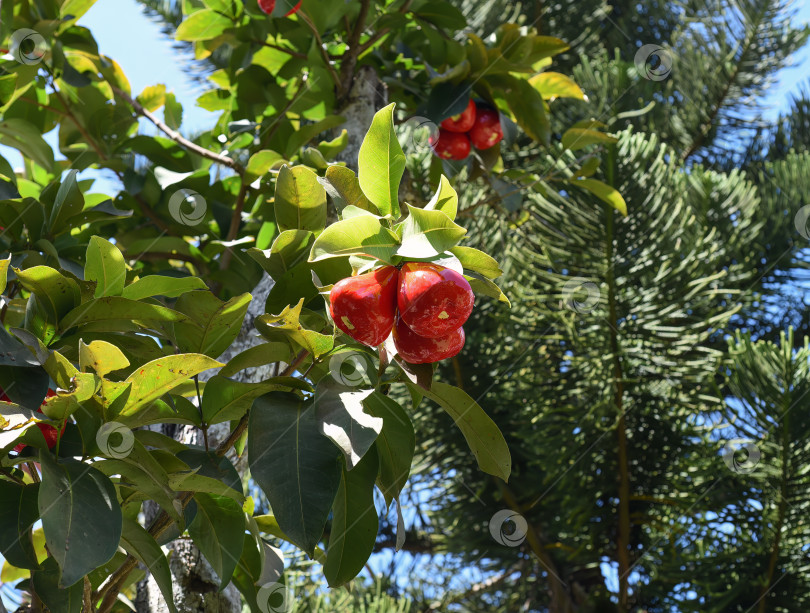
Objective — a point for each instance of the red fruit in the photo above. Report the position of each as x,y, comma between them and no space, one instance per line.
450,145
461,122
48,431
364,306
267,7
420,350
486,131
433,300
294,9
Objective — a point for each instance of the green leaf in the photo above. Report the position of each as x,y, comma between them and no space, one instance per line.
81,388
330,149
426,234
172,111
158,285
486,287
213,324
78,503
295,465
347,190
307,132
58,600
526,105
290,248
604,192
218,531
483,436
300,200
556,85
445,199
339,410
155,378
202,25
260,162
287,325
226,400
57,293
264,353
363,235
477,261
140,544
4,264
105,265
395,445
69,201
152,97
193,482
116,307
354,523
381,163
75,8
18,514
25,137
579,138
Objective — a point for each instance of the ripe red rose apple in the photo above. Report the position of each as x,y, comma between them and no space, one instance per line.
417,349
450,145
48,431
364,306
486,131
267,7
433,300
461,122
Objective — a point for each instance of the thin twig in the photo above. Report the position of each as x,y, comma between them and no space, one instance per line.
236,218
332,72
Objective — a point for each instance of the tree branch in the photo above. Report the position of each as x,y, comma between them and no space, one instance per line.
219,158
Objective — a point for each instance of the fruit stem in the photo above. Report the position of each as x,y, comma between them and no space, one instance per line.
32,470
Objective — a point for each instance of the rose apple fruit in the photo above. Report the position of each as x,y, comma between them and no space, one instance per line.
267,7
364,306
48,431
461,122
450,145
417,349
433,300
486,131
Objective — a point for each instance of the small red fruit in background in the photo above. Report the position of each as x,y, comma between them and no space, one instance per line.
450,145
48,431
433,300
364,306
417,349
267,7
461,122
486,131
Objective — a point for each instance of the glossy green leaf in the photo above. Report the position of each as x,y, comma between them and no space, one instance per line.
226,400
477,261
56,598
346,190
295,465
202,25
105,265
140,544
556,85
116,307
290,248
77,503
395,444
381,163
69,201
363,235
260,355
579,138
445,199
25,137
427,233
158,285
213,324
57,293
526,105
340,411
218,531
485,287
287,325
75,8
4,264
260,162
300,200
482,435
18,514
604,192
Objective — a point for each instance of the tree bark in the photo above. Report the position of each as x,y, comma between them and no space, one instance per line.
367,96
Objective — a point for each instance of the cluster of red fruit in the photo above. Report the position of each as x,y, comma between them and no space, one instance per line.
48,431
425,304
477,125
267,7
